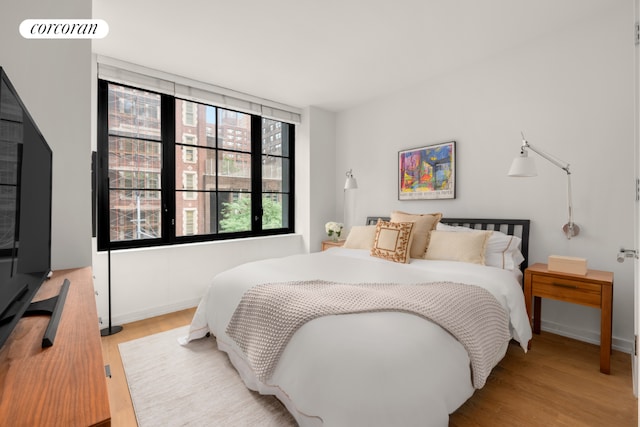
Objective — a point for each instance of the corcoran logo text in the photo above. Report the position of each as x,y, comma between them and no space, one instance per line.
64,28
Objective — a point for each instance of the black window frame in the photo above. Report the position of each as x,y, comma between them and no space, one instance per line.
168,184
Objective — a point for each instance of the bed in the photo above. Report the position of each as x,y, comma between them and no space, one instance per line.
375,367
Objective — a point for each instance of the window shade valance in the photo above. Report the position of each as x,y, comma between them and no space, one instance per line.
181,87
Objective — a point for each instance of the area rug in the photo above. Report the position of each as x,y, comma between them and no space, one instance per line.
193,385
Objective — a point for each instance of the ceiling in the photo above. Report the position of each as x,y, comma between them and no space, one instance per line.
332,54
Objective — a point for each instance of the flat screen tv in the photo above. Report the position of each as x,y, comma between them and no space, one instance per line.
25,208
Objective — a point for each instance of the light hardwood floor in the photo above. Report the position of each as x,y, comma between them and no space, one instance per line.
557,383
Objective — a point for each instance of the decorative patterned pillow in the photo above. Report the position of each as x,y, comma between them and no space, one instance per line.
393,241
454,246
360,237
424,224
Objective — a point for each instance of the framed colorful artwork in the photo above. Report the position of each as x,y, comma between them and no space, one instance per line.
427,172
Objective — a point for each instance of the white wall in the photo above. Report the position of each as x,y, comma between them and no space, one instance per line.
53,79
153,281
322,172
572,95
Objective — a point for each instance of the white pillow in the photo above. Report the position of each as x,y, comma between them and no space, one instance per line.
502,251
360,237
453,246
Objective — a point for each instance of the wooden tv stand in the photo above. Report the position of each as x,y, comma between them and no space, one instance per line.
64,384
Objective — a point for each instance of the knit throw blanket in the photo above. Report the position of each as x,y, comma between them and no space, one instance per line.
269,314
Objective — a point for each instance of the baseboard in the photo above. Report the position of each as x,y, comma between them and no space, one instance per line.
625,346
155,311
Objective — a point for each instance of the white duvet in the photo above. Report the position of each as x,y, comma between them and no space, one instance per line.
367,369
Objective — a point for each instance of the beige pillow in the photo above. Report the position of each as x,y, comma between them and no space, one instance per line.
455,246
502,251
424,224
393,241
360,237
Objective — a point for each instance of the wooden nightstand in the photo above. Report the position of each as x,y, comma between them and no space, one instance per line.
326,244
593,290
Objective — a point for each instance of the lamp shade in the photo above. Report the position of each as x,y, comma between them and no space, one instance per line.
523,165
350,183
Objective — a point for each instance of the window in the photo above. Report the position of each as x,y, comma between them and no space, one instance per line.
190,222
189,155
189,184
189,152
176,171
189,117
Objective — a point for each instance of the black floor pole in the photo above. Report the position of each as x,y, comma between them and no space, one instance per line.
110,330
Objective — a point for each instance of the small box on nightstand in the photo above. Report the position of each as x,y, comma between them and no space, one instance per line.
567,264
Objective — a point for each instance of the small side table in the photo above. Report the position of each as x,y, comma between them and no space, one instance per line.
593,290
326,244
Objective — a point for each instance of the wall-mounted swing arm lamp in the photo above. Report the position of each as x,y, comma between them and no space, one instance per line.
524,166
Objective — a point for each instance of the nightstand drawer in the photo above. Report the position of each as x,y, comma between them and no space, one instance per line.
565,289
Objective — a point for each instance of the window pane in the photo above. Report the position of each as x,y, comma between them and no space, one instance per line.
234,130
195,123
135,215
134,113
234,212
134,163
135,181
200,177
274,211
196,216
275,174
272,138
201,161
234,171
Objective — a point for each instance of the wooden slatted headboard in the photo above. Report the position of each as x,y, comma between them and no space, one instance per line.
512,227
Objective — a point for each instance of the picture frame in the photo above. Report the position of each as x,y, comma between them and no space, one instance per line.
428,172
